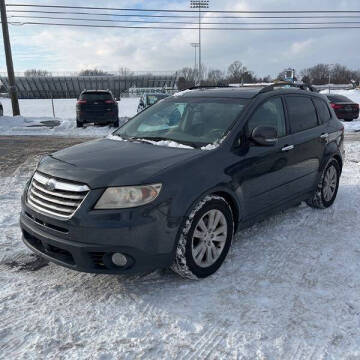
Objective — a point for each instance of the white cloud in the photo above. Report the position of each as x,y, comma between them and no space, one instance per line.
265,52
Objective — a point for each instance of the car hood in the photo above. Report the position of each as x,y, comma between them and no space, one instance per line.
107,162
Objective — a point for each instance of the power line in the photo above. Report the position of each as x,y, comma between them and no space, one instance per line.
184,28
187,11
185,16
185,22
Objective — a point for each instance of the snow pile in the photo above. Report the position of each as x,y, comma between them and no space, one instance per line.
37,118
166,143
290,288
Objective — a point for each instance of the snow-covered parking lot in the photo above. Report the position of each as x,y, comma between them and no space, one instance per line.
290,289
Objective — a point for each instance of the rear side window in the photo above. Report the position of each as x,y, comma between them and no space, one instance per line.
302,114
93,96
270,113
323,111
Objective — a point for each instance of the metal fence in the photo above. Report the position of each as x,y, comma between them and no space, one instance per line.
46,87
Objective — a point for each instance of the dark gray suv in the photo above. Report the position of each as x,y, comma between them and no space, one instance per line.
158,193
98,107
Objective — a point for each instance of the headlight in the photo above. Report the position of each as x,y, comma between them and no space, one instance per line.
128,196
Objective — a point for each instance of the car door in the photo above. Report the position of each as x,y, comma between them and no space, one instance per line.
263,172
309,140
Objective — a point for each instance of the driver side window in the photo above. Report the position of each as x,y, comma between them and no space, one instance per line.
270,113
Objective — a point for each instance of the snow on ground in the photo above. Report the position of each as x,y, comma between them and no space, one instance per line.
35,112
290,289
354,95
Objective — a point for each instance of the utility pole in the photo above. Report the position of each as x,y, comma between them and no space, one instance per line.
199,4
9,62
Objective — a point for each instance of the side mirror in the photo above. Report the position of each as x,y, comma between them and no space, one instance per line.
264,135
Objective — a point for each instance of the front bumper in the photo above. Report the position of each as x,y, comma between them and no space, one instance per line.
86,241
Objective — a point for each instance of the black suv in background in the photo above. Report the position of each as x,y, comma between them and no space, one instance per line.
98,107
345,109
159,194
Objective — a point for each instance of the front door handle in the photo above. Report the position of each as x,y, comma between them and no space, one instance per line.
287,148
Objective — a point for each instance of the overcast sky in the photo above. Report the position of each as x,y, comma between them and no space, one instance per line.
264,52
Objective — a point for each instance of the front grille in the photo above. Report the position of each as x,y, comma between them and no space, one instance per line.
55,196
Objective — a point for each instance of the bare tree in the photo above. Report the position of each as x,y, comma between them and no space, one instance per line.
239,73
93,72
36,72
124,71
215,77
189,74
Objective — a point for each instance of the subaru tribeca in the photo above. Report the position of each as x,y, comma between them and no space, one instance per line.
155,194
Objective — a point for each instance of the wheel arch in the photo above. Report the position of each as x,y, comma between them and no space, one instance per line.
338,158
233,205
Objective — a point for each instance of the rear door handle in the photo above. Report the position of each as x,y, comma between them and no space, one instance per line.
287,148
324,136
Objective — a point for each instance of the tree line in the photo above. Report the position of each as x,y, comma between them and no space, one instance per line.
236,72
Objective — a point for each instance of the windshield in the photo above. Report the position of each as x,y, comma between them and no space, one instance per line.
152,99
196,122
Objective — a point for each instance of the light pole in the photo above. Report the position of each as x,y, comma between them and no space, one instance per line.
330,66
199,4
195,45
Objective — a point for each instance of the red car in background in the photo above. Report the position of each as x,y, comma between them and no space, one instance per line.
345,109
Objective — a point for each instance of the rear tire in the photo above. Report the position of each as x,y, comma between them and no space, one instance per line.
79,124
204,239
327,187
348,120
116,123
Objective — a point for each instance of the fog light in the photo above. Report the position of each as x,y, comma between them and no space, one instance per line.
119,259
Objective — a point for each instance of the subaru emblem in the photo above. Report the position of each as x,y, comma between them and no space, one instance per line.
50,185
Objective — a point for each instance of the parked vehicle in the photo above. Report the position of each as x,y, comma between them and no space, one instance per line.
344,108
98,107
1,110
156,195
149,99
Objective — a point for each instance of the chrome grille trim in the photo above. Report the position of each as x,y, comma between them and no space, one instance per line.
62,199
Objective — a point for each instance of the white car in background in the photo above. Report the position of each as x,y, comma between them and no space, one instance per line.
148,99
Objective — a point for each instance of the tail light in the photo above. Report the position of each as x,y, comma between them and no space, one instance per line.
336,106
109,102
81,102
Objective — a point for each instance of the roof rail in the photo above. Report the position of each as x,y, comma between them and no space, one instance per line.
208,87
285,84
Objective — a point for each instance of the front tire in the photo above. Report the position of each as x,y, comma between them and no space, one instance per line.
204,239
327,187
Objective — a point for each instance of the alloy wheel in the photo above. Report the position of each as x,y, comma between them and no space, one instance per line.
209,238
330,183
